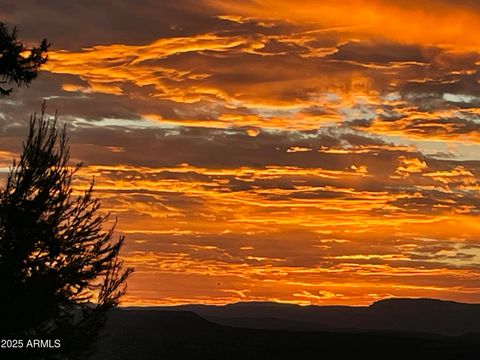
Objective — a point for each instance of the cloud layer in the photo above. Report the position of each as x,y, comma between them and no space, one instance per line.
321,153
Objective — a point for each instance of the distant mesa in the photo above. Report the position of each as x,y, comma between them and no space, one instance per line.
387,329
395,314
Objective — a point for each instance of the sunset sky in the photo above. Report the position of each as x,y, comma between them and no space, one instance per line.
313,152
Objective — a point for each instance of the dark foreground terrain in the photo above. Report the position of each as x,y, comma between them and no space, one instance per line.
158,334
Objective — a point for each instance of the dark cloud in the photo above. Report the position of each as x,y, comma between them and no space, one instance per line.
381,52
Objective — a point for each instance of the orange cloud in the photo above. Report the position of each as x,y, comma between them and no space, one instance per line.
428,22
348,247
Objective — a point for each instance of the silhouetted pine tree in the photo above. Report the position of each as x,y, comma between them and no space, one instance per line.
19,64
60,272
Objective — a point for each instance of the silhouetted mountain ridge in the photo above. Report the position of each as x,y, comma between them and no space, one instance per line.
395,314
176,335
